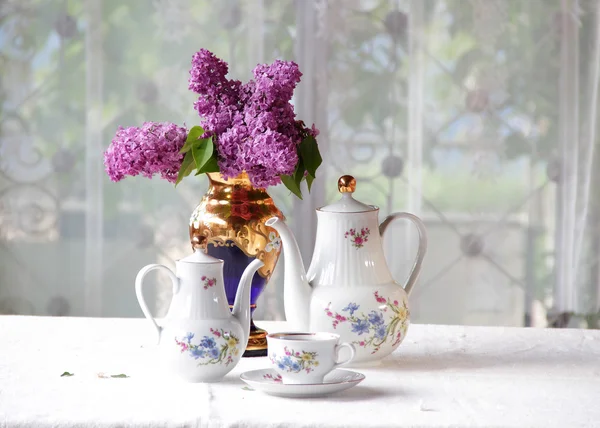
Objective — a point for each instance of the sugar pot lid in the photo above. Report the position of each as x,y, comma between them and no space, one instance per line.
199,256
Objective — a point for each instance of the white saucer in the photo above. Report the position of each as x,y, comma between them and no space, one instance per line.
269,382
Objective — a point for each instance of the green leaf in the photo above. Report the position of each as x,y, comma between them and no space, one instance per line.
309,153
290,182
67,374
203,152
210,166
186,147
193,135
245,388
299,173
120,376
186,168
309,181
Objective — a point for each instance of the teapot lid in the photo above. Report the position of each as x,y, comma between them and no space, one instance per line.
347,204
199,256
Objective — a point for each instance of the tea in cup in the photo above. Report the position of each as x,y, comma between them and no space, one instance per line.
305,358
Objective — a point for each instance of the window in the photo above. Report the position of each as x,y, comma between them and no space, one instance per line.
479,116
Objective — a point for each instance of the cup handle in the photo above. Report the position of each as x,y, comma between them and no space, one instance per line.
139,281
416,269
337,353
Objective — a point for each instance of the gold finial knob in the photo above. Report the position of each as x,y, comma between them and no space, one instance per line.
199,242
346,184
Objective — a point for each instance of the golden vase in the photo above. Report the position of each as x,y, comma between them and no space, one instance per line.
230,223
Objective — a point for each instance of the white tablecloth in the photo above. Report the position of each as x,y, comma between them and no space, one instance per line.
441,376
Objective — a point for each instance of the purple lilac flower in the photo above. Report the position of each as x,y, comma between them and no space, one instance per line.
269,106
151,149
276,82
230,149
219,97
218,121
208,72
253,124
246,91
267,155
260,122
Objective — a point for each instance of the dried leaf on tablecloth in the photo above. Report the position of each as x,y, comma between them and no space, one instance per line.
115,376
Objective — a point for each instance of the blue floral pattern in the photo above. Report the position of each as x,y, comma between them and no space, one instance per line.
220,349
372,326
351,308
360,326
295,362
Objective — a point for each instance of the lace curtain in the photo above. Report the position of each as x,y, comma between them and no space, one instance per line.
479,116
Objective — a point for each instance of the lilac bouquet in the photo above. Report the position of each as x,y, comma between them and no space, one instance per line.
248,127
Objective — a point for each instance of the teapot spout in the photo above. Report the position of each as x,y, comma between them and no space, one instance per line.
296,289
241,306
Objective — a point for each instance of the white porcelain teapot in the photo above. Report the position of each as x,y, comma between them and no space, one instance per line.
349,289
201,340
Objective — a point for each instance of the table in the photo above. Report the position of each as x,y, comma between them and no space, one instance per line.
441,376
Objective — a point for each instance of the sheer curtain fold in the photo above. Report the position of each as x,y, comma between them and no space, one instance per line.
589,135
575,288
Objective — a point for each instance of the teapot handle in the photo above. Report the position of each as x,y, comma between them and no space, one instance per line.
139,281
416,269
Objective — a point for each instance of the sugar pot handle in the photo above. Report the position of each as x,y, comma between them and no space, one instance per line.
416,269
139,282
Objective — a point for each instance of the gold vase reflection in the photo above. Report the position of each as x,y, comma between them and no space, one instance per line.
230,223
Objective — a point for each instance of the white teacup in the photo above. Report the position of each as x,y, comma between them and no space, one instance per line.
305,358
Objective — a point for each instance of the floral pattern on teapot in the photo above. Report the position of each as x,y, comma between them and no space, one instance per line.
208,282
274,243
220,349
373,324
358,237
295,362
